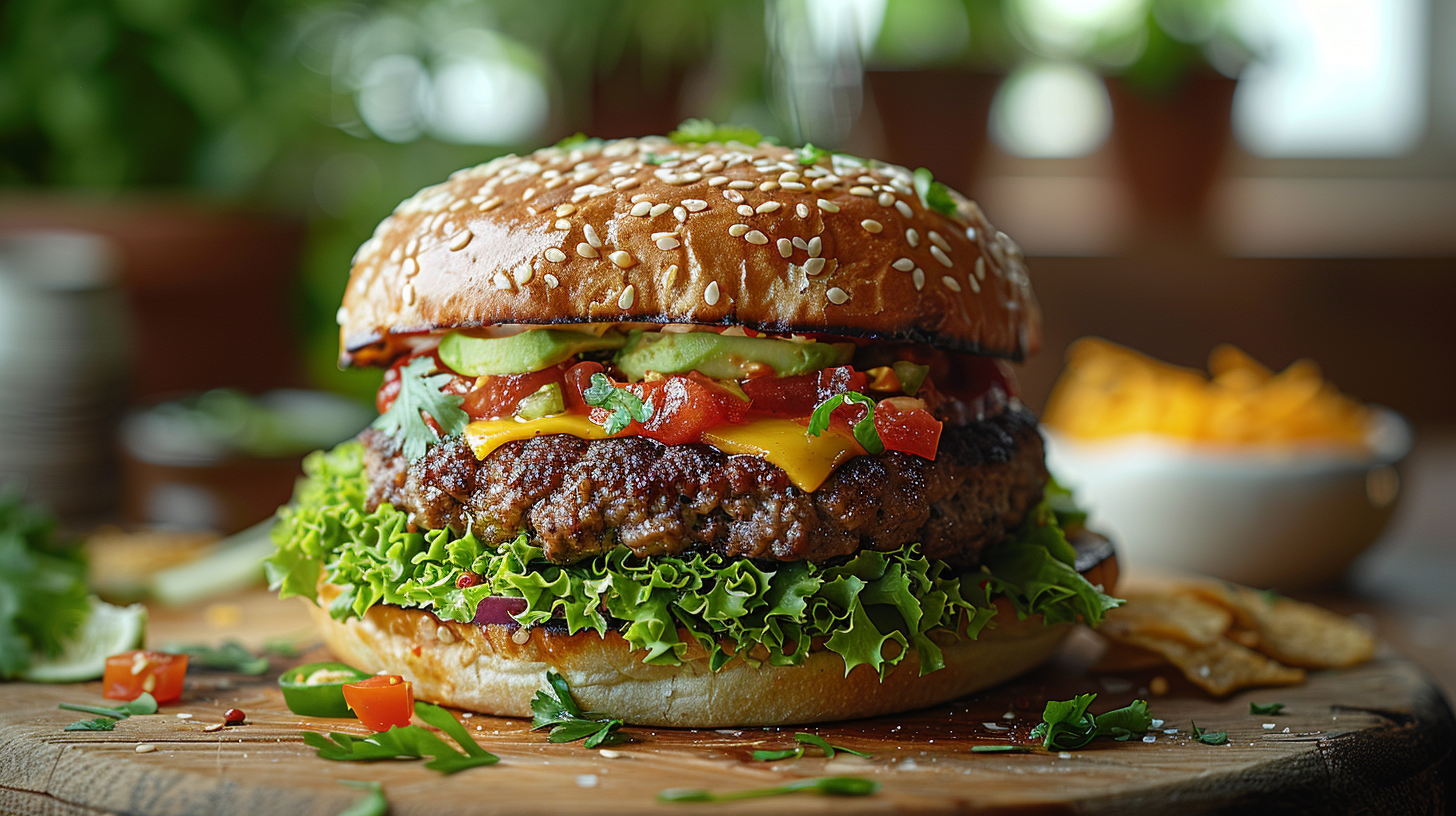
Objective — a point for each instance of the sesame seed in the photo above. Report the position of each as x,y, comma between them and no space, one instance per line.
904,208
522,274
981,268
717,180
912,238
802,210
591,236
628,296
710,294
919,277
341,316
659,209
886,199
767,207
737,230
903,264
411,246
793,186
788,175
410,268
691,176
814,247
551,281
695,204
741,184
145,748
975,284
951,283
801,243
491,204
671,275
641,208
460,240
500,281
756,237
971,233
861,191
563,225
407,294
745,210
555,255
621,259
871,225
769,186
668,243
940,256
565,210
586,250
213,727
529,194
626,183
814,266
786,247
935,238
837,296
643,197
827,206
822,184
680,214
458,205
657,236
733,196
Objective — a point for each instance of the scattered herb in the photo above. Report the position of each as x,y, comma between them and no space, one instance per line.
624,405
42,585
1064,504
230,657
699,131
648,157
805,741
1066,725
1000,749
554,706
864,430
419,394
933,194
1270,709
98,724
286,647
809,154
1209,737
145,704
576,139
408,741
372,803
827,785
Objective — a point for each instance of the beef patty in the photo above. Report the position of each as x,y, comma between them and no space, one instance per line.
576,497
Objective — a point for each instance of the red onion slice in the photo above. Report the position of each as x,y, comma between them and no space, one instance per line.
497,610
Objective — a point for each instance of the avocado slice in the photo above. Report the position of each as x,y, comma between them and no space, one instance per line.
520,353
724,357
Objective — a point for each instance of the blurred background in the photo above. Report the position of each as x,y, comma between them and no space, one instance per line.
183,182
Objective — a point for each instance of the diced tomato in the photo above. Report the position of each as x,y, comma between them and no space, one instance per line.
684,407
578,379
130,673
904,425
498,396
798,396
381,702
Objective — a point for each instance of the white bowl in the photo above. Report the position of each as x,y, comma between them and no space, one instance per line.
1262,516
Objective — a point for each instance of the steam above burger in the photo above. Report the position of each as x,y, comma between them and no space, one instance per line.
722,432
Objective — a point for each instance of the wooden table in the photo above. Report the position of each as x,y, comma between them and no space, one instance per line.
1377,739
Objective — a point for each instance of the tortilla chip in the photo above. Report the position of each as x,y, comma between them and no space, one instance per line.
1184,618
1221,667
1291,631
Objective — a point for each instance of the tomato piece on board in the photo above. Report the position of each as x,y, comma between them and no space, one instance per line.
798,396
130,673
907,429
381,702
499,395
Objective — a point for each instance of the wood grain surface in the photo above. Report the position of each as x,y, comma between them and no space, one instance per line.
1375,739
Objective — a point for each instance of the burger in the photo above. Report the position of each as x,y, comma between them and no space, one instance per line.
721,431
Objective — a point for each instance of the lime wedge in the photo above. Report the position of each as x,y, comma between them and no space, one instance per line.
108,630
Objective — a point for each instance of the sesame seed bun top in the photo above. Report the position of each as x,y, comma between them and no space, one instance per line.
646,230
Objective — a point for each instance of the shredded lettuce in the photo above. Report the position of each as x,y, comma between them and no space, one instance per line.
758,611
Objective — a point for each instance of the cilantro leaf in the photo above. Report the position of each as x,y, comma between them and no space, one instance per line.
700,131
419,394
144,704
42,585
809,154
554,707
409,741
1066,724
1209,737
827,785
1000,749
230,656
774,756
804,740
98,724
1270,709
372,803
624,405
864,430
648,157
933,195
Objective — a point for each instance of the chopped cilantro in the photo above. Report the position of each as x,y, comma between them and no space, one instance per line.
554,707
809,154
420,394
805,740
933,194
1209,737
700,131
827,785
576,139
42,585
1270,709
1000,749
864,430
98,724
624,405
410,741
1066,725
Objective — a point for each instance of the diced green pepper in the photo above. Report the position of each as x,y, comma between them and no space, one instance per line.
317,689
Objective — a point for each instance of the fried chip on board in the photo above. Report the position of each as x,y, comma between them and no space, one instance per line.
1182,617
1291,631
1221,667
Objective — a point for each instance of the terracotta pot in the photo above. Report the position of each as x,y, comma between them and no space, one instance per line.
1171,148
935,118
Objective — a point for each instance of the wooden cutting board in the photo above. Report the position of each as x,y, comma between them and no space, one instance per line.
1375,739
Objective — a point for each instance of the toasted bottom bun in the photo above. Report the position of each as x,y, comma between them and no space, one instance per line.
498,669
